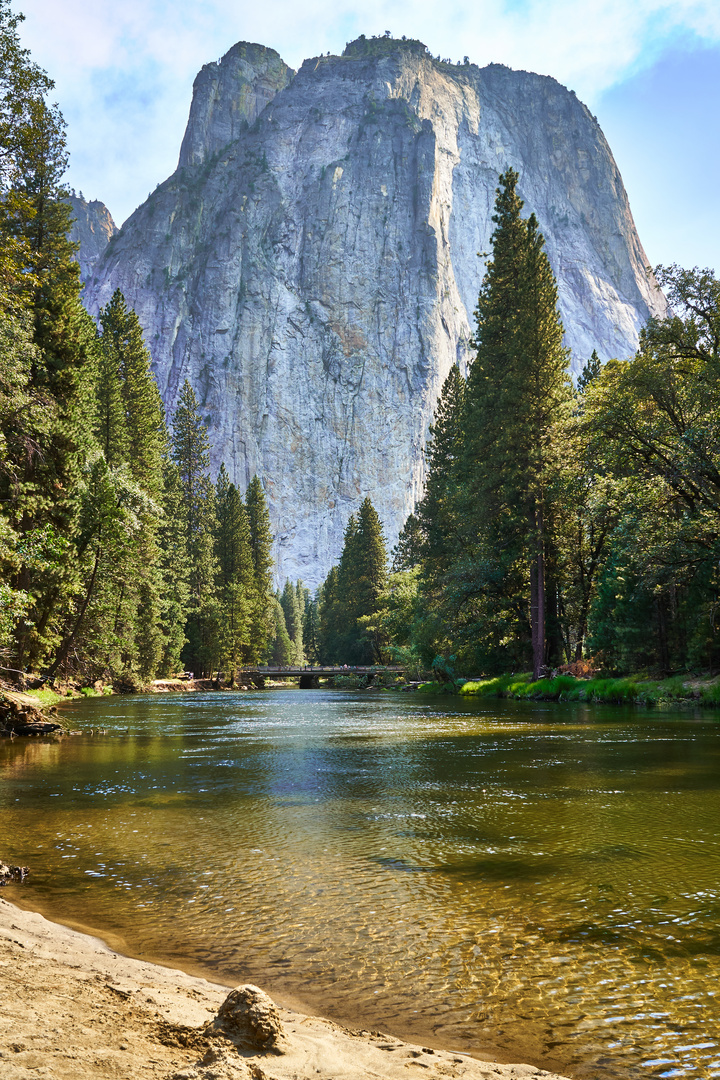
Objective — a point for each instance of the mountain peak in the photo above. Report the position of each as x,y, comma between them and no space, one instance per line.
228,96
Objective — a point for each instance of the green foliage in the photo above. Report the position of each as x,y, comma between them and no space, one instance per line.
651,425
311,627
263,625
236,582
191,453
281,650
352,593
636,690
292,602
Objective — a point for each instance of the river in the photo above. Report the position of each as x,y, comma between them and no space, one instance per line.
535,882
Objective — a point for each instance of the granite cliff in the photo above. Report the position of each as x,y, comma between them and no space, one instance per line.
92,229
312,264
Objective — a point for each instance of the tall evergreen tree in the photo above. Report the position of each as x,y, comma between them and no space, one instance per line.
517,392
352,592
311,627
191,453
174,567
263,622
280,647
290,602
439,512
39,267
236,583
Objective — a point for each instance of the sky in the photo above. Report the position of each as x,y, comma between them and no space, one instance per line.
649,70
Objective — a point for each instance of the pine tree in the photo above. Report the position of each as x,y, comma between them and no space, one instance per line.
408,552
311,627
371,566
191,453
330,619
439,513
352,591
174,568
34,221
111,431
517,391
280,648
122,337
233,550
589,373
261,546
290,602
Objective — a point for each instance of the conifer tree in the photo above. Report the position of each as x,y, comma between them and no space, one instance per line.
517,391
280,648
261,546
439,512
235,574
34,221
370,571
111,431
330,617
122,338
352,591
191,453
408,552
174,568
589,373
290,602
311,627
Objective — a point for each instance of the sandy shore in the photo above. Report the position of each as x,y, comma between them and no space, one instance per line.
73,1009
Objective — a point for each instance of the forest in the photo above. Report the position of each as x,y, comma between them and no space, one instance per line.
562,527
561,524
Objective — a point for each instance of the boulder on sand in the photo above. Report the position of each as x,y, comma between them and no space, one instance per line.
249,1017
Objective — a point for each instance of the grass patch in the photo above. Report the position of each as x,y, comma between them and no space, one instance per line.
435,687
45,697
628,690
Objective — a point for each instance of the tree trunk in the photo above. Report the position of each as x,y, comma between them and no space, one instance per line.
537,600
68,640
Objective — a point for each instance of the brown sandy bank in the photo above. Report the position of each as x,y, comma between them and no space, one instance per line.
73,1009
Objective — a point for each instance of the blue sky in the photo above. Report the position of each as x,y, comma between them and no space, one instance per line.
649,69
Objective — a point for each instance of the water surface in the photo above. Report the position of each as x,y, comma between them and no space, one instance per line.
532,882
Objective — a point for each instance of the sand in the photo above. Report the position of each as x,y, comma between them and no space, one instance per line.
72,1009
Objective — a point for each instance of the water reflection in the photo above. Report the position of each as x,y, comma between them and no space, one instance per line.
540,883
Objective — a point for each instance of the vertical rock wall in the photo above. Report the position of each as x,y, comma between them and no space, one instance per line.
312,265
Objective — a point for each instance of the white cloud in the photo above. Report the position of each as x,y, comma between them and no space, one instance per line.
124,71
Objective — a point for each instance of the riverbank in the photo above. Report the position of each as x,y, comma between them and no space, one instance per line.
629,690
73,1008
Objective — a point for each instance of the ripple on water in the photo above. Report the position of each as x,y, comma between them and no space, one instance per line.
540,884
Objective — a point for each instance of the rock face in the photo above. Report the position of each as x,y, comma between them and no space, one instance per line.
312,265
229,96
92,230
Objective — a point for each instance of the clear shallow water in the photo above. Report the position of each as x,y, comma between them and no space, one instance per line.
538,883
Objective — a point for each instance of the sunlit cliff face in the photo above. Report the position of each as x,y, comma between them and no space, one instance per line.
312,266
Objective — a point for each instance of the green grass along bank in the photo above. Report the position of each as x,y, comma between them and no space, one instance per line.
626,690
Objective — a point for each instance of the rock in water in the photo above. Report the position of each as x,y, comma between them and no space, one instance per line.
249,1015
312,265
